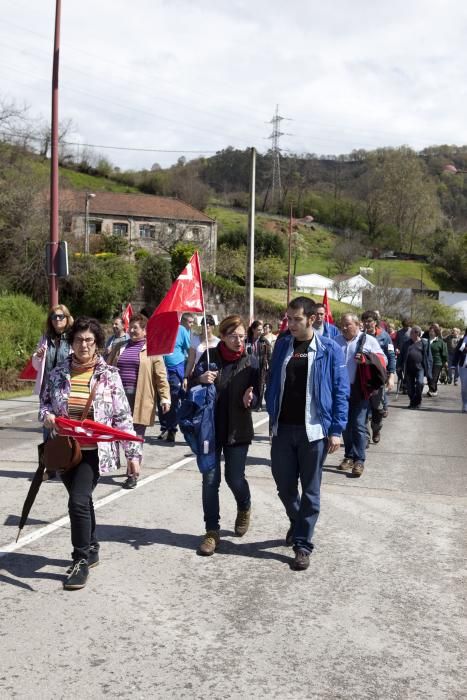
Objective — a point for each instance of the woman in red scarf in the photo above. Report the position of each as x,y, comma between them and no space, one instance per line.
236,382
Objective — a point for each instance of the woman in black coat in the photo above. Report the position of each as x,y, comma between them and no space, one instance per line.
236,380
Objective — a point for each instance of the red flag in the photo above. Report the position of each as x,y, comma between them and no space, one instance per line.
126,315
284,324
186,294
328,313
89,431
28,373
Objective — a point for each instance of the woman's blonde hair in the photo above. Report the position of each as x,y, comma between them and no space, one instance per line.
58,308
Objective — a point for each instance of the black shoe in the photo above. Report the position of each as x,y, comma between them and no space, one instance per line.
385,413
93,558
289,535
130,483
301,561
163,435
376,436
78,576
171,436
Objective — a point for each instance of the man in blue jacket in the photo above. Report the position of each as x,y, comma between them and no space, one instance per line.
307,401
322,327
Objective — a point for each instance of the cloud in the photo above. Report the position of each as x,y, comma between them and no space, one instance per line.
179,75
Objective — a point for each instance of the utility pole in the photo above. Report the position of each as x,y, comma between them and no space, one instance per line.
289,275
250,248
54,204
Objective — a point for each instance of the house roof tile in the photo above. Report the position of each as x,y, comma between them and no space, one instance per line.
141,205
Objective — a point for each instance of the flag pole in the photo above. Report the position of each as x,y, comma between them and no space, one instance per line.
204,311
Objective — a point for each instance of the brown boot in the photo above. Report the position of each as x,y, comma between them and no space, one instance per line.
242,522
209,543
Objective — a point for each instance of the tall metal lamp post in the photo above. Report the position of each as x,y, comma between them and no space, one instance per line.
89,196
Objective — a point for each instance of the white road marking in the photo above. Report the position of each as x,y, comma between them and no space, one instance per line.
48,529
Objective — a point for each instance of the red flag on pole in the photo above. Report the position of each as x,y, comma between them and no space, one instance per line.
28,373
186,294
126,315
328,313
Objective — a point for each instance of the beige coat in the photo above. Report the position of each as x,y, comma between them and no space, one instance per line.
152,382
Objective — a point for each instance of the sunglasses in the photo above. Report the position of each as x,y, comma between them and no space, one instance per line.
57,317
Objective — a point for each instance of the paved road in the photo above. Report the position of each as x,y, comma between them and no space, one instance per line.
379,614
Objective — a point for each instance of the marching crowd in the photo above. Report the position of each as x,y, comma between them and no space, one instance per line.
320,383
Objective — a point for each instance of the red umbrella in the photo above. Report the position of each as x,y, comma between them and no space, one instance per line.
89,431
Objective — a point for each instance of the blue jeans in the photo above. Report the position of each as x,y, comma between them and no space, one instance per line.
294,457
463,377
235,460
168,421
453,370
355,433
414,384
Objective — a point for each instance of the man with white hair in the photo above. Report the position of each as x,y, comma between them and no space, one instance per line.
356,346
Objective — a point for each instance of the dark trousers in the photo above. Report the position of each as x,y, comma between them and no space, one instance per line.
453,369
433,383
235,460
294,458
168,421
80,482
414,383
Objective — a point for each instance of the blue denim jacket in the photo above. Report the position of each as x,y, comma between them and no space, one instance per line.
327,380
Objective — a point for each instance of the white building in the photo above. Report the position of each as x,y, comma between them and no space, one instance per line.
349,289
313,284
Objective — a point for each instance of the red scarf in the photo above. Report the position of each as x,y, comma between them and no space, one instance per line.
230,355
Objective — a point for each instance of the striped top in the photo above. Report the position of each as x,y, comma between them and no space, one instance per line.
128,365
79,394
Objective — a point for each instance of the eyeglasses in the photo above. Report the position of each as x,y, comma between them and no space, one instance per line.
234,337
87,341
57,317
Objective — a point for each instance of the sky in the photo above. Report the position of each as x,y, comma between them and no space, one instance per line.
191,77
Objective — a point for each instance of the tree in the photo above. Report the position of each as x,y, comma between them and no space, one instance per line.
180,256
155,278
401,193
345,252
270,272
97,287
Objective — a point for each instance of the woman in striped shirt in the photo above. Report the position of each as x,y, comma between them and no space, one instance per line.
143,378
66,393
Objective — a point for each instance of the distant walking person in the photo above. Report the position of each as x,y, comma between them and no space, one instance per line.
322,327
119,335
439,354
452,341
175,366
260,349
144,380
460,358
358,348
306,398
53,348
416,363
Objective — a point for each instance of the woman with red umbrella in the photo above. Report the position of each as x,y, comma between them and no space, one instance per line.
85,374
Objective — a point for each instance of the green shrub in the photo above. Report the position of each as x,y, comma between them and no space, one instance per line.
180,255
97,287
22,323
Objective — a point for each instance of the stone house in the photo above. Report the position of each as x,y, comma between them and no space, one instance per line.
145,221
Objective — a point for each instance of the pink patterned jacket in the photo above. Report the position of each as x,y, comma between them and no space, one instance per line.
110,408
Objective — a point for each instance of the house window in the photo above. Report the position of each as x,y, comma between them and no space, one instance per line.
195,232
120,229
147,231
95,226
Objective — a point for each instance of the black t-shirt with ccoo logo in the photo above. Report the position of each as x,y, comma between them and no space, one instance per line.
294,397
